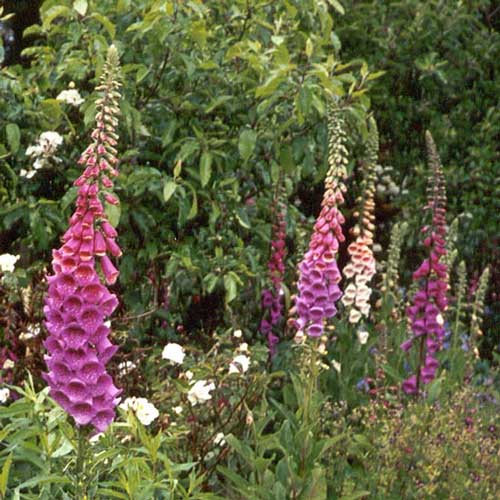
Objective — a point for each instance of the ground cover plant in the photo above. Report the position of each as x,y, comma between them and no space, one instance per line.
218,276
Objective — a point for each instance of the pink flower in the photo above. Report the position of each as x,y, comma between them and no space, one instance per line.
77,303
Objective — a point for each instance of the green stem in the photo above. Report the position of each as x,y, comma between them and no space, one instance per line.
80,469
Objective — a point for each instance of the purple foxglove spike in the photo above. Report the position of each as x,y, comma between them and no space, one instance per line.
77,303
430,302
271,298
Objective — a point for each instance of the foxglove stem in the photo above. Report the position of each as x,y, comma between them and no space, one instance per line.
77,302
430,301
318,289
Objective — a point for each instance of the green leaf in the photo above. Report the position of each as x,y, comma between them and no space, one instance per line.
4,476
355,495
53,12
231,288
242,218
13,137
205,168
337,6
113,213
81,6
246,144
107,24
169,189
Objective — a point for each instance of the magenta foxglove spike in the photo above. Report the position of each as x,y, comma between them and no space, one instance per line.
78,302
272,300
430,301
319,276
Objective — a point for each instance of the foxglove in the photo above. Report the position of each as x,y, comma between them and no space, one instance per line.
272,300
361,267
430,301
318,288
78,302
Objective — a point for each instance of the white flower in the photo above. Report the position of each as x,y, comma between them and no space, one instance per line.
177,410
354,316
31,332
7,262
71,96
243,347
189,374
145,411
362,336
239,364
50,139
337,366
95,438
34,150
200,392
4,395
38,164
219,439
237,334
8,364
299,337
125,367
173,352
440,319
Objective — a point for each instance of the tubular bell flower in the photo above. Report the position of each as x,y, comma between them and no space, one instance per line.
361,267
272,302
430,301
318,289
78,302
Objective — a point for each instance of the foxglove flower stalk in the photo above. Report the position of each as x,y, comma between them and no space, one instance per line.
318,288
430,301
272,301
78,301
361,267
478,310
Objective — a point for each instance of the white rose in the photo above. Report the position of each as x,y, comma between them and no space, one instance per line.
173,352
240,364
200,392
7,262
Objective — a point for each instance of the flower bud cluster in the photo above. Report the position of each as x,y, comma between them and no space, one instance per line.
319,276
272,300
361,267
478,309
390,277
430,301
78,302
